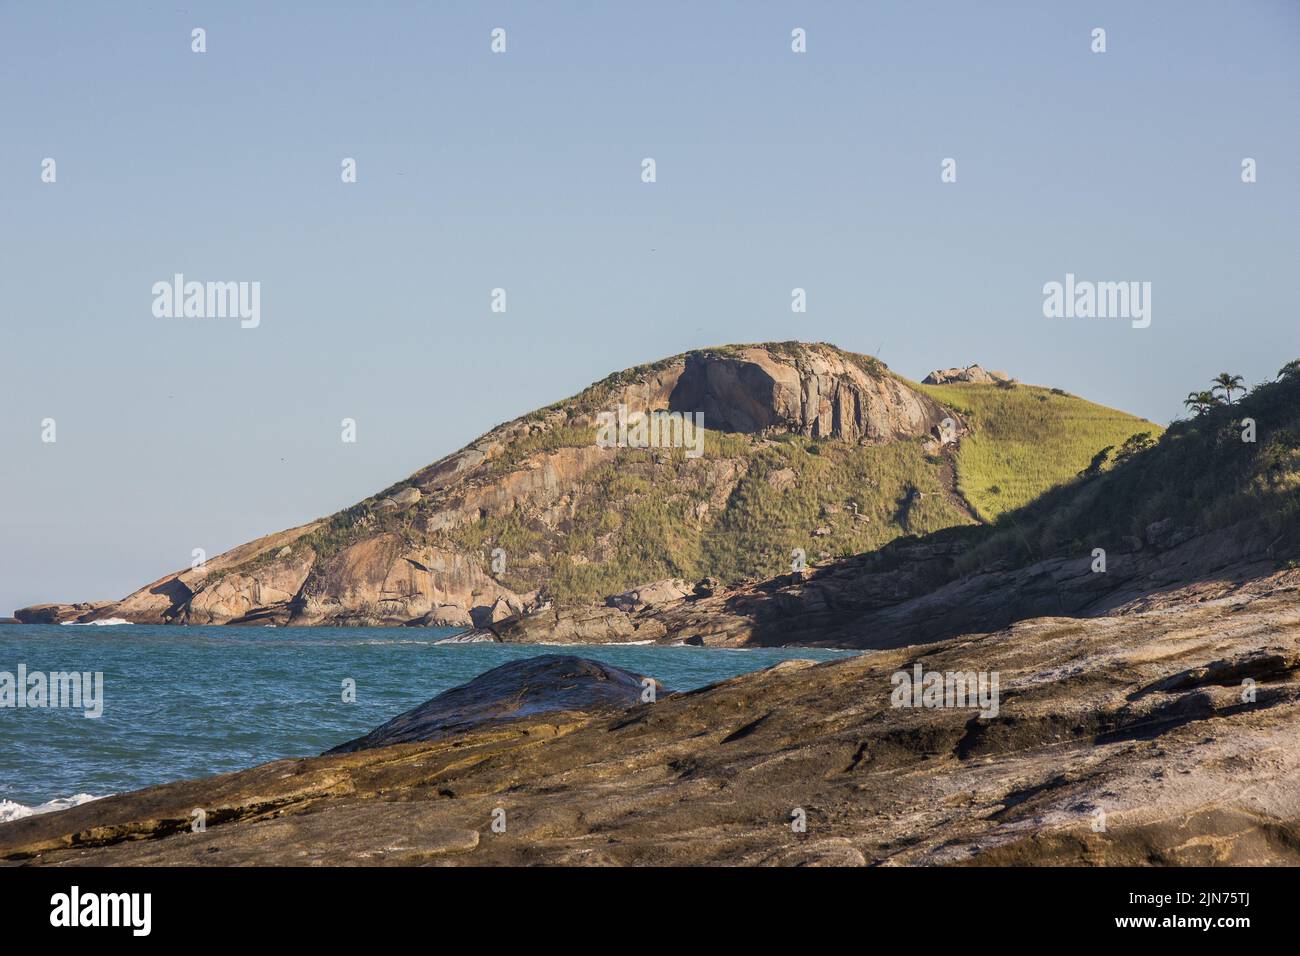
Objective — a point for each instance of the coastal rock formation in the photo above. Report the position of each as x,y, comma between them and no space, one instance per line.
649,595
803,445
381,579
1225,521
525,688
58,613
446,615
974,374
543,482
1165,737
587,624
912,592
1109,677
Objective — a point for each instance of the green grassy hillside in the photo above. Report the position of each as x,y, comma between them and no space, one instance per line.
1026,439
1201,476
641,519
741,509
738,512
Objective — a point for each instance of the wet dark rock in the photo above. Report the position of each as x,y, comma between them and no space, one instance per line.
706,587
525,688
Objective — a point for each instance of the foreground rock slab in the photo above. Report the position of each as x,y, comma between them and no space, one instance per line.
1169,737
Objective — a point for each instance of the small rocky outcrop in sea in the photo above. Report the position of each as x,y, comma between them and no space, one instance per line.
58,613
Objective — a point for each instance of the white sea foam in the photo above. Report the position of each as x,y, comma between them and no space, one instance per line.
104,623
11,810
466,637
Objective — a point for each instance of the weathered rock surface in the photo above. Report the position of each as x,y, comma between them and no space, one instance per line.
578,625
446,615
974,374
536,685
58,613
812,392
1162,737
649,595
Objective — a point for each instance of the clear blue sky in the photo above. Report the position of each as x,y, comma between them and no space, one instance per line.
522,170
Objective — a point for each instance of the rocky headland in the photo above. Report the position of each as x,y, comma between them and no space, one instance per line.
1108,675
804,446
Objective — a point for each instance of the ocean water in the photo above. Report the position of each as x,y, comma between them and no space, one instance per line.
184,702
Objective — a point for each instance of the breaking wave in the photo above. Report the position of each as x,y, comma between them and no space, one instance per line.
10,810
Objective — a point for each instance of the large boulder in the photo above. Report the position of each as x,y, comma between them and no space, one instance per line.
524,688
447,615
647,595
974,374
403,499
583,624
407,497
809,390
502,610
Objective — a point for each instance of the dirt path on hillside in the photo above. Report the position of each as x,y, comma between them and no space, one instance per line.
948,478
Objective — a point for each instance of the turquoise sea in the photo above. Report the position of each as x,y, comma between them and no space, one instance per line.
183,702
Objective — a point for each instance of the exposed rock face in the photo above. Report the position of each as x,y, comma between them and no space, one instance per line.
446,615
648,595
169,599
403,557
57,613
536,685
813,392
971,373
578,625
1164,737
501,610
240,596
380,580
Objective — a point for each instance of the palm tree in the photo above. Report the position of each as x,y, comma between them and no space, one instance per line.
1223,382
1202,401
1289,369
